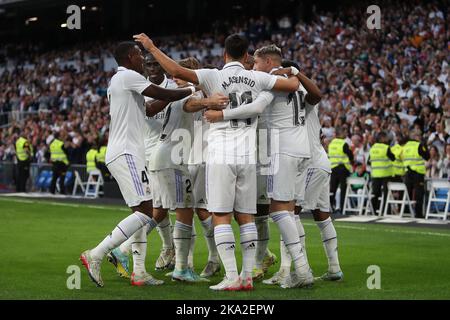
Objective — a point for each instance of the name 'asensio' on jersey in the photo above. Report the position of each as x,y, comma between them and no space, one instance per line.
236,80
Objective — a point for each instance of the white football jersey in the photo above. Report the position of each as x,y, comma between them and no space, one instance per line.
319,158
286,117
174,144
199,150
127,111
234,138
154,124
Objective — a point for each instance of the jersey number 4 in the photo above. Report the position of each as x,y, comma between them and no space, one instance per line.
236,101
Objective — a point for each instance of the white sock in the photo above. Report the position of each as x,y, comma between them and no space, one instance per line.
124,230
182,240
165,232
249,237
289,232
208,232
262,226
285,264
192,247
301,233
139,250
226,245
125,247
329,239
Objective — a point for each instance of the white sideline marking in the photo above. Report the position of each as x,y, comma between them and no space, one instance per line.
424,233
359,219
393,220
62,204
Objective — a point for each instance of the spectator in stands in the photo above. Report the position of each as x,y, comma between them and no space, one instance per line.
432,164
444,163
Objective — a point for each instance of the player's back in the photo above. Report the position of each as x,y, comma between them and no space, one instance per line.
126,130
285,117
319,157
234,137
155,123
174,145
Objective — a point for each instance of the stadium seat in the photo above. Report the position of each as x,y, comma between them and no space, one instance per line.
48,181
69,178
438,200
405,200
40,181
360,195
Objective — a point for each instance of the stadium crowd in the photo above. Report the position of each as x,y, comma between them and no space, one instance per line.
394,79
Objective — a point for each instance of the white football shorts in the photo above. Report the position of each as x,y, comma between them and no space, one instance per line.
285,170
132,178
197,173
261,182
231,187
172,188
314,190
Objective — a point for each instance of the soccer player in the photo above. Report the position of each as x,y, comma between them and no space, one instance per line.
286,122
264,258
170,165
166,259
230,167
314,188
125,159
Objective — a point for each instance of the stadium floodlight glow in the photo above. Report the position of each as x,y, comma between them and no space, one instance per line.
94,8
83,8
63,25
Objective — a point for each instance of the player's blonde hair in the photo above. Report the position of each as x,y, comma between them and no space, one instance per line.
270,50
190,63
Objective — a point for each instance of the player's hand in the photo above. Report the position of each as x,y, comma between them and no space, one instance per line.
213,115
144,40
218,101
283,71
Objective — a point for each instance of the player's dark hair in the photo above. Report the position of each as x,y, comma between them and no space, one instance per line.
122,50
289,63
236,46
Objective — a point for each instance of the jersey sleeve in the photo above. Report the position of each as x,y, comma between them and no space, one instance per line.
134,81
207,78
266,81
251,109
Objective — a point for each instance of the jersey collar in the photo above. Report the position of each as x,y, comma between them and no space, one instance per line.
274,69
233,64
120,68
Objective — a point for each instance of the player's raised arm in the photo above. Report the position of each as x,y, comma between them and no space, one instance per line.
314,95
244,111
167,63
197,103
154,107
158,93
286,84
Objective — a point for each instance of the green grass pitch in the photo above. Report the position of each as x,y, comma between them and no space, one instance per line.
39,240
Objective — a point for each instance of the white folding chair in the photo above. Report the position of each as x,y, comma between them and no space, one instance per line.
369,207
95,181
432,198
78,183
405,200
359,196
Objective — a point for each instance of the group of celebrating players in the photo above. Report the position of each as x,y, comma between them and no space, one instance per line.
191,144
